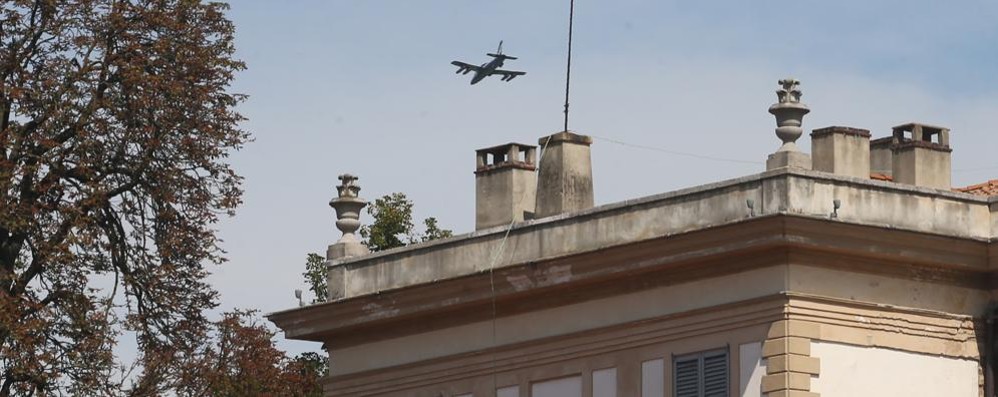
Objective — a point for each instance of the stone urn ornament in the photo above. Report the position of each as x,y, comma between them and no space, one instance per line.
348,205
789,112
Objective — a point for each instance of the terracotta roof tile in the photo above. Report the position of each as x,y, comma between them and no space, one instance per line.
989,188
880,177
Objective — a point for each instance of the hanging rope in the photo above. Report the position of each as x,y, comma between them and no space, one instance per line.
568,69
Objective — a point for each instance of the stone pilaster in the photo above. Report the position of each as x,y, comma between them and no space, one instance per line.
789,365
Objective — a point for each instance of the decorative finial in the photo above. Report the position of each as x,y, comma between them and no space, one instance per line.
789,92
348,188
789,112
348,205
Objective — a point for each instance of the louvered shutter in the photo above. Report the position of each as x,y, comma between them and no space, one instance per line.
701,375
715,375
687,377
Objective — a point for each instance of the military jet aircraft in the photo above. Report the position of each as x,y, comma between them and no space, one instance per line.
489,68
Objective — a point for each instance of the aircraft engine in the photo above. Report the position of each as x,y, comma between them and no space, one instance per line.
466,71
511,77
459,70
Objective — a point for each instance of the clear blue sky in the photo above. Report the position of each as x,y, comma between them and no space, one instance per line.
366,87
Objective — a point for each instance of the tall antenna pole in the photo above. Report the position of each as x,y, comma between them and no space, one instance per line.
568,71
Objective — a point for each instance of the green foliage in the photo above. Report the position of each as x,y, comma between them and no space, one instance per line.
433,231
392,227
313,364
392,223
315,275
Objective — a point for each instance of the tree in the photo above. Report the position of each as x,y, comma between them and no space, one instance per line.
242,360
433,231
315,276
115,123
391,227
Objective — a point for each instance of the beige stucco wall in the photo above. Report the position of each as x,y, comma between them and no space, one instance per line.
583,316
994,218
894,291
752,368
850,371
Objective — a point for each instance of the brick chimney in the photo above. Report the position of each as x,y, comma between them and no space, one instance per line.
842,151
505,184
565,183
921,155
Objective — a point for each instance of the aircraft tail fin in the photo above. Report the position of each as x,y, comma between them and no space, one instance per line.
500,56
498,53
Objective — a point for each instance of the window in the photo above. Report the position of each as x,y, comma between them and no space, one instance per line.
605,382
701,374
564,387
653,378
509,391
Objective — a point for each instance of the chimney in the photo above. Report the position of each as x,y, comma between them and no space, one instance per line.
505,184
565,183
921,155
881,158
842,151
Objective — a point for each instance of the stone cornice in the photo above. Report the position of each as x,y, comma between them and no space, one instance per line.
751,243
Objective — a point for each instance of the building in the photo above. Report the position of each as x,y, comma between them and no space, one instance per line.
856,270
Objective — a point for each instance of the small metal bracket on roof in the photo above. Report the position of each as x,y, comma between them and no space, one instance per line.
836,204
301,303
751,207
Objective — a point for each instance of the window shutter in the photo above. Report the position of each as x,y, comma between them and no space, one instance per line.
715,375
687,377
701,375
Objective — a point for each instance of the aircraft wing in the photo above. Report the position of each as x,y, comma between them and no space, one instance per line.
508,75
465,66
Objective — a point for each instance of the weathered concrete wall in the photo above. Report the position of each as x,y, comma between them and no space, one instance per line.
920,166
884,204
565,177
849,371
842,151
881,159
621,223
503,195
806,193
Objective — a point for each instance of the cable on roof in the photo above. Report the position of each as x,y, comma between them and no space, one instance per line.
495,258
674,152
568,68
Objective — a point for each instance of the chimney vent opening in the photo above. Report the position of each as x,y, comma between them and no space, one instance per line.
921,134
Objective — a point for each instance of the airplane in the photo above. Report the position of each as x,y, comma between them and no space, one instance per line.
489,68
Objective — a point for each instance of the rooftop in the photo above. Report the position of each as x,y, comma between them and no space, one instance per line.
989,188
836,190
